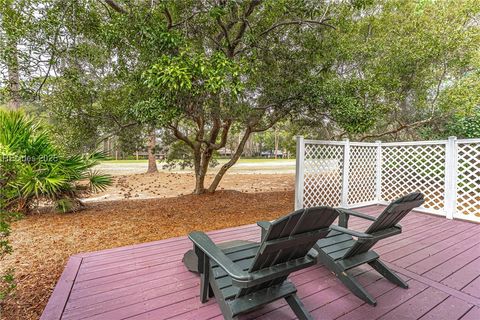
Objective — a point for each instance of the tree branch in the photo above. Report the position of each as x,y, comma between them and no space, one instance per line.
400,128
225,32
231,162
115,6
169,18
121,127
272,122
223,139
214,131
187,19
243,26
297,22
179,135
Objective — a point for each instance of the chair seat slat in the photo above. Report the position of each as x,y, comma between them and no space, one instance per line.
339,254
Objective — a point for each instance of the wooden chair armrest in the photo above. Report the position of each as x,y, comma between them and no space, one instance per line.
206,245
358,234
344,215
356,214
264,224
385,233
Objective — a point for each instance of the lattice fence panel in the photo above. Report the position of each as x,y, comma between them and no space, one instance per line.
468,180
322,175
410,168
362,174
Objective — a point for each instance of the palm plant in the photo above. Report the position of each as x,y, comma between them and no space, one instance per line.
36,170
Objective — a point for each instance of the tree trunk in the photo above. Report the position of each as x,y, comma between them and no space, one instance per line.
199,175
199,184
201,169
152,161
13,77
276,143
229,164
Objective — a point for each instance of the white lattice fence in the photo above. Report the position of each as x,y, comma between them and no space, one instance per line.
409,168
323,167
468,179
352,174
362,175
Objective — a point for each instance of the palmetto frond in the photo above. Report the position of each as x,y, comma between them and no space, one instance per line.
36,167
98,182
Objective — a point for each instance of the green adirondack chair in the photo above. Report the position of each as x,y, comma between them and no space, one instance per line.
246,276
340,252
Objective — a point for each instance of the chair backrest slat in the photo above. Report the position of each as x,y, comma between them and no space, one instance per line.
290,238
299,222
391,216
396,211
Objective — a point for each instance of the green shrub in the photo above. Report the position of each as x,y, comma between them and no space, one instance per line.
36,170
7,282
32,169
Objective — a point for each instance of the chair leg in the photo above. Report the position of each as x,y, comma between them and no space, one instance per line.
205,280
356,288
224,307
388,273
210,292
349,281
298,308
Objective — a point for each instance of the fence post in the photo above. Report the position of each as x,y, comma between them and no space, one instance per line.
299,172
450,177
346,168
378,174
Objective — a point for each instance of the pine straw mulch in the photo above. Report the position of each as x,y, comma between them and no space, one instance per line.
172,184
43,242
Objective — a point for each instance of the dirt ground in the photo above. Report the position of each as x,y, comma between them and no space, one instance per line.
43,242
165,184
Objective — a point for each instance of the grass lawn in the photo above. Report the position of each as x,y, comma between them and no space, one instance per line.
255,160
44,242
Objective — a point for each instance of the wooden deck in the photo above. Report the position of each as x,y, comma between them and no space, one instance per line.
440,259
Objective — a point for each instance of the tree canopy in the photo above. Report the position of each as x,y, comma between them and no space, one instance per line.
200,72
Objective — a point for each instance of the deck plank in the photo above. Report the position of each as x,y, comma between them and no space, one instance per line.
463,276
451,308
473,314
452,265
473,288
439,258
438,244
417,306
386,302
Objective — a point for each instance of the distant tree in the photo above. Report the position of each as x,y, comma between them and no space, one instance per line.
459,125
395,68
30,32
98,88
282,136
465,127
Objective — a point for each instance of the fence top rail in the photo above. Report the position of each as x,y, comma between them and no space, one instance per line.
341,143
373,144
388,144
477,140
414,143
363,144
336,143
